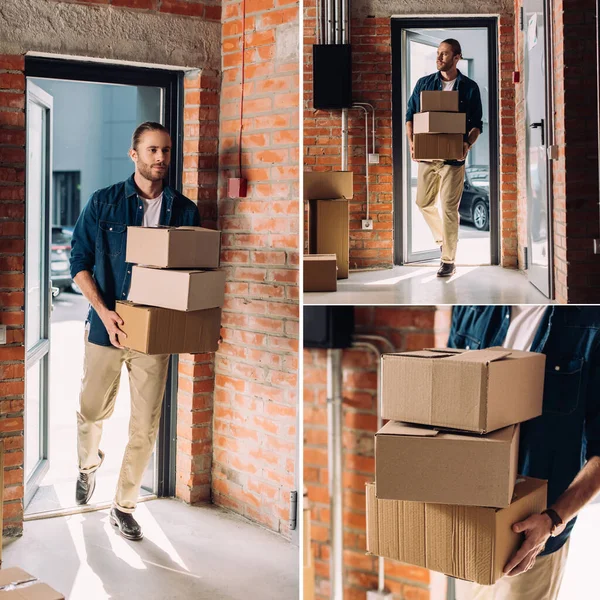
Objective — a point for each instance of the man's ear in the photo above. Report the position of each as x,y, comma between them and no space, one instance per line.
132,154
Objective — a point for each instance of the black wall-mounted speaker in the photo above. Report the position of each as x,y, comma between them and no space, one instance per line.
328,326
332,76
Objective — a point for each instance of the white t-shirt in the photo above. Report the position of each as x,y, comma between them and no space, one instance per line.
152,208
447,86
524,323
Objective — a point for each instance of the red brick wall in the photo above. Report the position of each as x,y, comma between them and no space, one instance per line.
12,247
407,329
371,55
210,10
256,367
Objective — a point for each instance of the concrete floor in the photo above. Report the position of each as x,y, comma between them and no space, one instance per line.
187,552
418,284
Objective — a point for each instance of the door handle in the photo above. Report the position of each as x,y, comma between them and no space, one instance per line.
539,124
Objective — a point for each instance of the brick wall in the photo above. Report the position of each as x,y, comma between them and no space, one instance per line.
407,329
371,55
208,10
256,367
12,247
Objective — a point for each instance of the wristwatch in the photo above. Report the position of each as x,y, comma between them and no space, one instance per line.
555,518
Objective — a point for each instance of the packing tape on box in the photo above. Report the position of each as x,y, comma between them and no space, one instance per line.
19,585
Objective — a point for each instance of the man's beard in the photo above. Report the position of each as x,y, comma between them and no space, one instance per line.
444,66
147,172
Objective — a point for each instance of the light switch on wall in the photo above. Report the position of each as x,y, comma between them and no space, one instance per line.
2,334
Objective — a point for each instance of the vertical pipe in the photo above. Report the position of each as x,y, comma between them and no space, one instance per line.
328,17
367,155
334,446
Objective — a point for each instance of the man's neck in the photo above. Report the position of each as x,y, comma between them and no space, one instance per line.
449,75
148,189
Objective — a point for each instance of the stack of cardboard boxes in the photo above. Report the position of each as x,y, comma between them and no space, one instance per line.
439,128
446,490
328,229
175,299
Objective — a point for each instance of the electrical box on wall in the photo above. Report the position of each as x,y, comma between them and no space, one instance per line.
332,76
328,326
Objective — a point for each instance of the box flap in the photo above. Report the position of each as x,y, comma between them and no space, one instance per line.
318,257
399,428
482,356
424,354
447,350
328,185
14,575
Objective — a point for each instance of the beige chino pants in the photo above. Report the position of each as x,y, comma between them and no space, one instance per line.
448,181
541,582
99,386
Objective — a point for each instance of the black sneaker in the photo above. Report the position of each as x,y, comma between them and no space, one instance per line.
446,270
126,524
86,484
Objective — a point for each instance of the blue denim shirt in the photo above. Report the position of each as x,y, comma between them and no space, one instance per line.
469,102
556,445
100,239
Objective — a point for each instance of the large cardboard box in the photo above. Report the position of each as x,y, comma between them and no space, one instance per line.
468,542
328,218
438,146
320,272
174,247
426,465
181,289
476,390
439,101
17,584
154,330
439,122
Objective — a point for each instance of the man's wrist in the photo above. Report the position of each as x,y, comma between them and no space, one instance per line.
556,524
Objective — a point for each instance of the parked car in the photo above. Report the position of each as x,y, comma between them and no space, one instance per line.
475,202
60,253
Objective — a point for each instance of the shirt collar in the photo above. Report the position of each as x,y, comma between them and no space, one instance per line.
459,77
131,190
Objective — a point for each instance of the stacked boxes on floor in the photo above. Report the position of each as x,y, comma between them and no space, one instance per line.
328,229
177,290
446,489
439,128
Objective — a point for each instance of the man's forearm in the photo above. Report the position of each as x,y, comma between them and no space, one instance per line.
90,290
583,489
409,131
473,135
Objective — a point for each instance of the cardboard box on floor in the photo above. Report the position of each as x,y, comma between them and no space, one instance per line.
174,247
17,584
154,330
439,122
438,146
452,468
328,218
320,273
468,542
476,390
439,101
181,289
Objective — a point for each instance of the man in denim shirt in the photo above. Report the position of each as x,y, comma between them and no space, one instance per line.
98,267
445,177
562,445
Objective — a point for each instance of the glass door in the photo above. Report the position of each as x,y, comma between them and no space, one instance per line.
38,285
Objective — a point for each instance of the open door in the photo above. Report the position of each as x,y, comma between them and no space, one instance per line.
538,131
38,300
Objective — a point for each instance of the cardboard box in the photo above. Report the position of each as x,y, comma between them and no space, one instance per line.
320,273
439,101
154,330
468,542
181,289
438,146
453,468
174,247
329,232
328,219
309,582
439,122
477,390
17,584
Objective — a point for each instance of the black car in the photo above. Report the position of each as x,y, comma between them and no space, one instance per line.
475,202
60,252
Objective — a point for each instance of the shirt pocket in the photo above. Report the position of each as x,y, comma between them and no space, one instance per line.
562,385
466,341
111,238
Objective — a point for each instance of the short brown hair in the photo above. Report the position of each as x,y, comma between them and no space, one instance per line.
456,49
141,129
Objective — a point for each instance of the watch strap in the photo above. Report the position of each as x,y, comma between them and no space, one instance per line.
554,517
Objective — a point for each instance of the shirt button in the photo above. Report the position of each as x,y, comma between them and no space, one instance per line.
468,347
557,368
129,272
110,228
507,317
123,293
